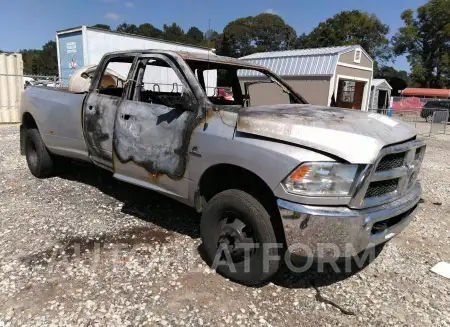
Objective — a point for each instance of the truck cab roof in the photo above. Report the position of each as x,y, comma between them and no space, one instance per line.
193,56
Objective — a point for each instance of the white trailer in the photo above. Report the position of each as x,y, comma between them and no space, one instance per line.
83,46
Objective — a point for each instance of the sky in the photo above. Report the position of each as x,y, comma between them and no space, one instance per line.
27,24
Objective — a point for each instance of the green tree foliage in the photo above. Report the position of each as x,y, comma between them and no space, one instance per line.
41,62
425,39
350,27
388,72
194,35
102,26
211,35
247,35
173,33
398,80
127,28
149,30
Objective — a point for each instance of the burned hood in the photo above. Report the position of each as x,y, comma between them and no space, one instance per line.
352,135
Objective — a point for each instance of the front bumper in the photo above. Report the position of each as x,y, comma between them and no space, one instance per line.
336,232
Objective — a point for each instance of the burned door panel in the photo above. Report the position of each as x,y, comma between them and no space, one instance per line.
154,136
99,111
99,115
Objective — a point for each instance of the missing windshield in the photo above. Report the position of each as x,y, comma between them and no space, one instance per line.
241,86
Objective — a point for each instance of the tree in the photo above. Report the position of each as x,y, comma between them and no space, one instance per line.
102,26
30,61
41,62
388,72
351,27
211,35
247,35
127,28
271,33
398,80
173,33
425,39
149,30
194,35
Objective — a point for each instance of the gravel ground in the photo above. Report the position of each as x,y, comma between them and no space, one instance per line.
84,249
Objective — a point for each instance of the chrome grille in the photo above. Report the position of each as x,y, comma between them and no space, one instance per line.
391,161
392,175
381,188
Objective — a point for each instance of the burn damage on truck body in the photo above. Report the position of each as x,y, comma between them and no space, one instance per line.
99,112
157,136
154,136
326,129
99,116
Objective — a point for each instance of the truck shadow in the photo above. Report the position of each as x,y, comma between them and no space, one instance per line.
173,216
136,201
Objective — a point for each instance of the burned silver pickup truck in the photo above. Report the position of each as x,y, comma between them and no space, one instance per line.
278,172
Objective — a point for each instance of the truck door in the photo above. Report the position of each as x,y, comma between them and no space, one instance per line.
153,127
99,111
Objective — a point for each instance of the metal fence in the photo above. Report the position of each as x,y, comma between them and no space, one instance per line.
427,121
11,88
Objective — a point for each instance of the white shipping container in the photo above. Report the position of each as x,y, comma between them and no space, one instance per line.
11,86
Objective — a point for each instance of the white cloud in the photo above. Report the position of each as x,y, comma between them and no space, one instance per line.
271,11
129,4
112,16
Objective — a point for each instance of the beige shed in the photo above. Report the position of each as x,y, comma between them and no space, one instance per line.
340,75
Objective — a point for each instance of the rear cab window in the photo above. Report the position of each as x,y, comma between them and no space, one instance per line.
114,76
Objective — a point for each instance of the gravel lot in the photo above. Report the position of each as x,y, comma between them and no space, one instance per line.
139,263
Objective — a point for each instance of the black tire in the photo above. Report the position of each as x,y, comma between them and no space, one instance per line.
253,270
38,158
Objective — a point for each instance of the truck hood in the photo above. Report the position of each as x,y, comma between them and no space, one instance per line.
353,135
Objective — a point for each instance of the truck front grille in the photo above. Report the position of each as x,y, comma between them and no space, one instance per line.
391,161
392,176
381,188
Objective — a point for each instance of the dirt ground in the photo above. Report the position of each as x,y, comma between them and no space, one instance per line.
83,249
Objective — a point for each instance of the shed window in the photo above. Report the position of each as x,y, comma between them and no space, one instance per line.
348,91
357,57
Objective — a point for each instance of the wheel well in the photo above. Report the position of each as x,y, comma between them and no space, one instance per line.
223,177
28,121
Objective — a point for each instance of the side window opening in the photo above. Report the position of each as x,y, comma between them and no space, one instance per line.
158,83
112,81
219,85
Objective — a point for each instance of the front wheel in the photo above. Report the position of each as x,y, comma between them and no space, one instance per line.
429,118
239,239
38,158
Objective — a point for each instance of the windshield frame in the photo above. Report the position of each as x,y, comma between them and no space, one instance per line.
271,78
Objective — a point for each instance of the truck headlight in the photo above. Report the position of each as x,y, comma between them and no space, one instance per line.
322,179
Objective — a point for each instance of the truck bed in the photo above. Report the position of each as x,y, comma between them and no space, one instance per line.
58,114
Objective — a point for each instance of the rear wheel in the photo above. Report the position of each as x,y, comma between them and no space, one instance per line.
38,158
239,239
